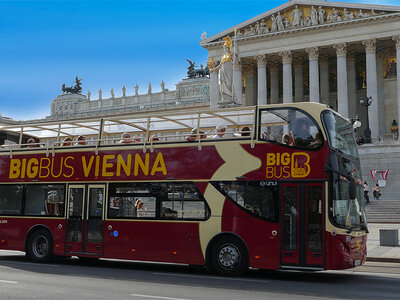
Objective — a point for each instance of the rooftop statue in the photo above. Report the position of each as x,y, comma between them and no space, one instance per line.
76,89
194,73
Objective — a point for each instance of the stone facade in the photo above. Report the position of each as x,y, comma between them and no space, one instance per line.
320,51
188,92
382,156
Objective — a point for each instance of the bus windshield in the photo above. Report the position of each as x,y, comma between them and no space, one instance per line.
345,212
340,134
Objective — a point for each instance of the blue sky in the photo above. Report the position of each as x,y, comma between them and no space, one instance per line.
107,43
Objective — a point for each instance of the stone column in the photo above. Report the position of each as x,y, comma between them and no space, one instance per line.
214,89
314,74
351,84
324,70
372,86
298,80
287,76
274,73
251,86
237,82
397,40
262,79
381,94
342,94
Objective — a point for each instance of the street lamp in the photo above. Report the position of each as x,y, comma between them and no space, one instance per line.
356,122
367,131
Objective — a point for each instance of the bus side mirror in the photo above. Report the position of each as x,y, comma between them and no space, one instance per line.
352,189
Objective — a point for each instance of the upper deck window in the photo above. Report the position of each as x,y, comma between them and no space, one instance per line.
291,127
340,133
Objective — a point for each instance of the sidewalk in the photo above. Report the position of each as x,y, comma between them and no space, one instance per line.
375,252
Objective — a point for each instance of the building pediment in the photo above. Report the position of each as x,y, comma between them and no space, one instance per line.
302,14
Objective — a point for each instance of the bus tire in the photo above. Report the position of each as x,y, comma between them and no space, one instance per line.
40,246
229,256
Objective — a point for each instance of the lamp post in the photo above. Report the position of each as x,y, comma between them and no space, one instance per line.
356,122
367,131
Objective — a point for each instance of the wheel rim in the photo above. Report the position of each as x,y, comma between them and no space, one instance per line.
40,246
229,256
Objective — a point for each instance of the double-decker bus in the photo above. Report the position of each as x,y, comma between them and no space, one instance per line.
277,187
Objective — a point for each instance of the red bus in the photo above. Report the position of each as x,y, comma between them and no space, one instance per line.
271,187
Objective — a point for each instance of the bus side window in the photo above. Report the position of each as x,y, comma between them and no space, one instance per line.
11,199
256,198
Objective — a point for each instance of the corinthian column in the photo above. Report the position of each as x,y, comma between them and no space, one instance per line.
397,40
314,73
237,81
287,76
351,84
298,80
262,79
343,102
372,86
214,88
274,75
324,70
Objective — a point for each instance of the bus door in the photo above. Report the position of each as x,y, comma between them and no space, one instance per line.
85,219
302,225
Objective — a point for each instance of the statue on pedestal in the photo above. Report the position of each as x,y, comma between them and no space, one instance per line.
100,94
89,94
225,68
149,89
112,93
77,89
136,90
123,91
162,86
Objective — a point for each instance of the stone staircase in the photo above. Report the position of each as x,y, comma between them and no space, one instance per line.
383,211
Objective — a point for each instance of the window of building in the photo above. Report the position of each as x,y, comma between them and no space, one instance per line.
11,199
259,198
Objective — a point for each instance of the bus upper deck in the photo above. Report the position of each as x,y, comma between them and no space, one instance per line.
275,124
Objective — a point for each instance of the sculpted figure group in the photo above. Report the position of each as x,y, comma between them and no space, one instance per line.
299,18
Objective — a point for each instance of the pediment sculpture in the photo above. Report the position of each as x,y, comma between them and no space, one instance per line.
300,16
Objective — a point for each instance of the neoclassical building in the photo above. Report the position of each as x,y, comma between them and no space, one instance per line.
321,51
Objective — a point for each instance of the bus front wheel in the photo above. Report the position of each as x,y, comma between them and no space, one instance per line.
40,246
229,257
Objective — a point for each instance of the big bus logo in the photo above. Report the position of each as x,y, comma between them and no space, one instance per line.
285,165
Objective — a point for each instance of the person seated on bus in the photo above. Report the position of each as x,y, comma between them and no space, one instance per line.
245,131
81,141
140,211
286,139
193,136
317,141
31,143
301,134
221,129
67,142
154,138
126,138
168,213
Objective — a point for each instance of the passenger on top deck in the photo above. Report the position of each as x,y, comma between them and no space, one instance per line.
193,136
245,131
31,143
81,141
126,138
154,138
67,142
220,131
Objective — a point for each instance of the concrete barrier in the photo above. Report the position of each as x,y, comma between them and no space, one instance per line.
389,237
